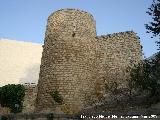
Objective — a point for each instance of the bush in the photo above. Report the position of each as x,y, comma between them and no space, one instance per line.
146,75
50,116
111,87
12,96
57,97
3,118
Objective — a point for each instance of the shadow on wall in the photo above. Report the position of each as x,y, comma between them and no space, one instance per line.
31,75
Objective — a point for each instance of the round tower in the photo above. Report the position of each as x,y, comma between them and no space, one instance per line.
68,70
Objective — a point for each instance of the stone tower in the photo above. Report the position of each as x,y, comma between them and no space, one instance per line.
68,61
74,61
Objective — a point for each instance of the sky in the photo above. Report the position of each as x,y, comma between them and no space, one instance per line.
26,20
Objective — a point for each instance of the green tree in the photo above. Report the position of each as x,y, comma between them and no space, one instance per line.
154,26
155,72
146,75
11,96
140,75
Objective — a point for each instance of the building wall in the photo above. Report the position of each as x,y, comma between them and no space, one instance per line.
77,63
19,61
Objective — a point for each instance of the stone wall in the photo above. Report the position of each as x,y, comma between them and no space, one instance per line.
29,98
77,63
120,50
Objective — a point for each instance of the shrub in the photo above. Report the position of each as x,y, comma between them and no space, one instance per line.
146,75
112,87
140,75
57,97
3,117
50,116
12,96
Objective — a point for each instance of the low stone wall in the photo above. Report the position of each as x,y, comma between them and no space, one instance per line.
29,98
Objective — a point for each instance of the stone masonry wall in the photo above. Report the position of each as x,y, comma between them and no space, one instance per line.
29,98
120,50
77,63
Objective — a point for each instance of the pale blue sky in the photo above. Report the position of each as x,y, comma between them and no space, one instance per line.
25,20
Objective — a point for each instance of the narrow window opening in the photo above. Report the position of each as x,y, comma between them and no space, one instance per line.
73,35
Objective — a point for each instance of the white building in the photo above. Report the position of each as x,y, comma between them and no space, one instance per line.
19,62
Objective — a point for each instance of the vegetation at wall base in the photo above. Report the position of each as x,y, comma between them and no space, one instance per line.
12,96
50,116
3,118
112,87
57,97
146,76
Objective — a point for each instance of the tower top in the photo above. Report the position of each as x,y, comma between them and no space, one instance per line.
71,22
71,9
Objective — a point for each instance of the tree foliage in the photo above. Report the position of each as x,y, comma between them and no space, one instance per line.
146,75
111,86
154,26
12,96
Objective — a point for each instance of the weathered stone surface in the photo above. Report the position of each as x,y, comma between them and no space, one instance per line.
29,98
77,63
